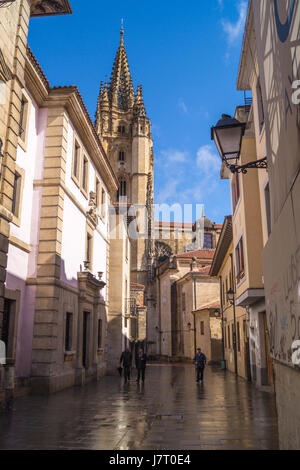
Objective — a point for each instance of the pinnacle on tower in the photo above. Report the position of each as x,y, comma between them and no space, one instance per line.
98,110
139,107
105,99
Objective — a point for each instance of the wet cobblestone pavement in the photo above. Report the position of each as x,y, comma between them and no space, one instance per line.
171,411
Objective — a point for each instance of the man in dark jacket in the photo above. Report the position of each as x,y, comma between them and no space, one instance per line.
126,360
141,361
200,362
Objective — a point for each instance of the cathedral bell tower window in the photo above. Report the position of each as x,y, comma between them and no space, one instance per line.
121,156
122,191
121,129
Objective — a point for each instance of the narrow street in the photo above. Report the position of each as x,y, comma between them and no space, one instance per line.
171,411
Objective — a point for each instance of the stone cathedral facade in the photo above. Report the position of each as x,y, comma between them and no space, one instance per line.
122,125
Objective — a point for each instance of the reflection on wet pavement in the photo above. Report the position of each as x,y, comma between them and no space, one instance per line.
171,411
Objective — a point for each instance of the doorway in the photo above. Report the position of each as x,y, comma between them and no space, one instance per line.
247,351
269,361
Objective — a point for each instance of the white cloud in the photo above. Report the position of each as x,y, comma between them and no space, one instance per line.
208,160
234,30
173,155
168,191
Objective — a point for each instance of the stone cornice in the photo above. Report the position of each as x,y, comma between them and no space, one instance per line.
69,98
50,8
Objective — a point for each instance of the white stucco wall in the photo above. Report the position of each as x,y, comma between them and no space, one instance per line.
22,264
74,222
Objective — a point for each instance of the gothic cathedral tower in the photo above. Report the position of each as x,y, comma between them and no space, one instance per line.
125,131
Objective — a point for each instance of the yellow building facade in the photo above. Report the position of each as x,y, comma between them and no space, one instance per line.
272,38
234,318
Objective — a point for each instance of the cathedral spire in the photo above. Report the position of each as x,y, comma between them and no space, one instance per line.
120,92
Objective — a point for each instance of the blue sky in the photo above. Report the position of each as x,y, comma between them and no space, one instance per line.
185,55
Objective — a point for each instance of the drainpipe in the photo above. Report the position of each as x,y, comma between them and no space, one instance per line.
159,315
222,313
234,319
195,308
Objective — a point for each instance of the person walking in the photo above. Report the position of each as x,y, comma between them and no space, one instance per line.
126,360
200,363
141,362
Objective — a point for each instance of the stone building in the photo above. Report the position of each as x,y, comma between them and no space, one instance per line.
272,39
14,20
172,238
125,131
120,319
58,255
183,286
208,325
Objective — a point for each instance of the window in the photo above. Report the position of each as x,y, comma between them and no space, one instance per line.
235,191
85,174
23,119
121,156
202,328
76,158
6,323
260,106
228,334
68,336
232,332
238,337
103,203
240,263
208,241
121,129
268,208
99,334
16,195
226,289
225,337
97,191
122,191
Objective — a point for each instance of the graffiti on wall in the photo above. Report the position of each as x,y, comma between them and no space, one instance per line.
284,314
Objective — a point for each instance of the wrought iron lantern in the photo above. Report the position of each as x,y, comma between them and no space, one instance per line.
228,135
230,296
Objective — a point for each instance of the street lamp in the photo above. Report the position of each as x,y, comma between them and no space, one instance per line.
228,135
230,296
217,313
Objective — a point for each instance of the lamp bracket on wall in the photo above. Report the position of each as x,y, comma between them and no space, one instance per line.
257,164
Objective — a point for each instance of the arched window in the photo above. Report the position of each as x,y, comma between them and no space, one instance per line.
121,156
122,191
121,129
